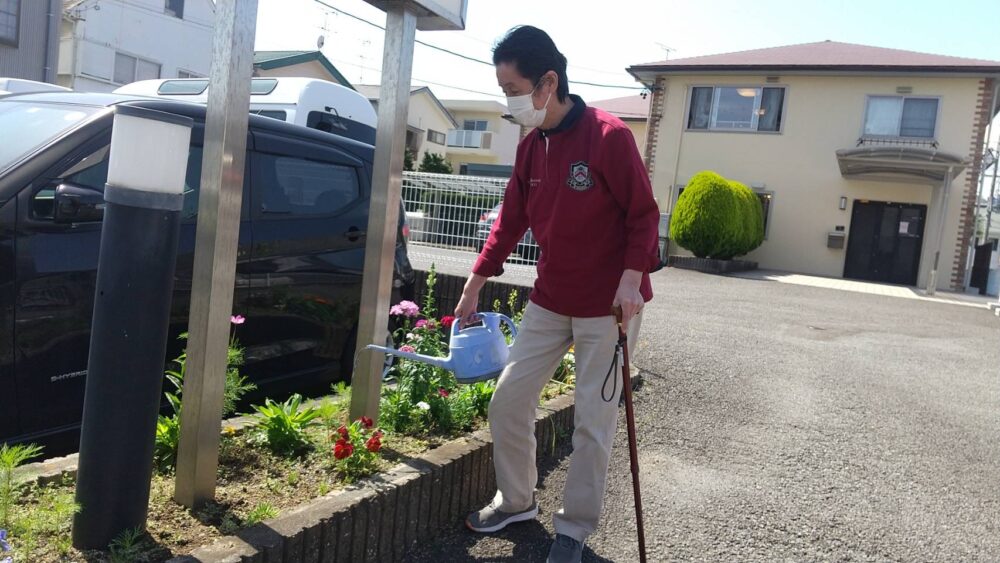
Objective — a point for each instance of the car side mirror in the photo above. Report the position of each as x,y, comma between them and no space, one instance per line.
78,204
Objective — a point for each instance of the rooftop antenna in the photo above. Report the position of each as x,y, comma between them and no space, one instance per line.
666,50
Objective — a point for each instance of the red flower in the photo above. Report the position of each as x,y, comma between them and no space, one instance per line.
374,444
443,392
342,449
366,422
344,435
447,321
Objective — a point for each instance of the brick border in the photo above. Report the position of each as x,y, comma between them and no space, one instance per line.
653,123
383,518
967,220
710,266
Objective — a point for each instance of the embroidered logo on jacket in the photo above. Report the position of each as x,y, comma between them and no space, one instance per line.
579,176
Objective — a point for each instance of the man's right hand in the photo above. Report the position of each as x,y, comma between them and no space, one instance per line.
468,304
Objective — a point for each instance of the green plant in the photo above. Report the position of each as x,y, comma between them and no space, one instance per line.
409,159
168,427
127,545
433,162
753,217
282,426
11,457
356,452
713,219
262,511
44,513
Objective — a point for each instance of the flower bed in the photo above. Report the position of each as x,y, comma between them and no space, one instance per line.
293,452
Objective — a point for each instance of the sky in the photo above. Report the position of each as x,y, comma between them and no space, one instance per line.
600,39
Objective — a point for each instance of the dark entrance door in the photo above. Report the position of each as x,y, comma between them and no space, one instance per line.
981,267
885,241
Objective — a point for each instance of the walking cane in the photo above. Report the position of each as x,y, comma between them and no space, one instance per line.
633,453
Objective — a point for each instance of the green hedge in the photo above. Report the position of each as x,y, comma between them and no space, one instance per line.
717,218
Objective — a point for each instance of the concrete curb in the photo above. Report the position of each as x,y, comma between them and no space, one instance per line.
384,517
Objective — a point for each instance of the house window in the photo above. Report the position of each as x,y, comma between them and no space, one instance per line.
174,8
718,108
436,137
181,73
475,125
10,12
129,69
901,116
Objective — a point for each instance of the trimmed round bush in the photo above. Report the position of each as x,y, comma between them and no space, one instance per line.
753,217
717,218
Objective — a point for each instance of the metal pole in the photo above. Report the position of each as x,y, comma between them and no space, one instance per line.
215,250
942,219
387,180
135,280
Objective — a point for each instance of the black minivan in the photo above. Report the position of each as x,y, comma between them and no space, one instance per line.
299,263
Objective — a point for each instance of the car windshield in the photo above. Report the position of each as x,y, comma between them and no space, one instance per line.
25,126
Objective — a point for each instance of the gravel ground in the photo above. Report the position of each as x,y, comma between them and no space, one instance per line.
788,423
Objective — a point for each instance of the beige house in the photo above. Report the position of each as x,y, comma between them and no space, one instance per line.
633,110
427,120
305,64
483,142
867,159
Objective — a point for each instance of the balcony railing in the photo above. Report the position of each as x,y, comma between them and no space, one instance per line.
469,139
867,140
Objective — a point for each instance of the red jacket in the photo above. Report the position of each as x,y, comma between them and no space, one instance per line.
583,190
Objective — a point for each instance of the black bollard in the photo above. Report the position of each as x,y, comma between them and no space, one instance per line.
128,340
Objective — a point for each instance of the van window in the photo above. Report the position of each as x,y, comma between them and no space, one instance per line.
305,187
92,172
278,114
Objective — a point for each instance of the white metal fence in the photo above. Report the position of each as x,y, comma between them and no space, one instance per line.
457,212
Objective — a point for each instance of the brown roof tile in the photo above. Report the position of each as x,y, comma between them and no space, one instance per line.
830,55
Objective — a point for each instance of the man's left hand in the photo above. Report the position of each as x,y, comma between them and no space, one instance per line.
628,296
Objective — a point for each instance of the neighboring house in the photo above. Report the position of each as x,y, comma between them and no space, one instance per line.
427,121
483,143
880,147
108,43
306,64
29,39
633,110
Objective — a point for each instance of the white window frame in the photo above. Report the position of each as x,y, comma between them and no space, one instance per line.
187,73
715,94
16,40
899,124
135,71
171,13
475,124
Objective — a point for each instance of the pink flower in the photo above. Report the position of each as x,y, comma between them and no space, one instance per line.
407,348
405,308
237,319
443,392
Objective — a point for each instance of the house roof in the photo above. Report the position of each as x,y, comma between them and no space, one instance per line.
821,56
372,91
485,106
268,60
629,108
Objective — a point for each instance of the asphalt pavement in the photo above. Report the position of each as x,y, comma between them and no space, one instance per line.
780,422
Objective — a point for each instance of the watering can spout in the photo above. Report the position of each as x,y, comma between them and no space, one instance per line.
432,360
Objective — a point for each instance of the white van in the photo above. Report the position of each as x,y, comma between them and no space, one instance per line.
21,86
309,102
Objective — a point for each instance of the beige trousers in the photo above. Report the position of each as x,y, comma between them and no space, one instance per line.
543,339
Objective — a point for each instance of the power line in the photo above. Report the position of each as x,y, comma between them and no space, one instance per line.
466,57
494,95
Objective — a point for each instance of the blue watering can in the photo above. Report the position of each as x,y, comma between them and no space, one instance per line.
475,353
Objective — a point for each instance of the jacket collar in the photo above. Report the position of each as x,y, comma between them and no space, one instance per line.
570,119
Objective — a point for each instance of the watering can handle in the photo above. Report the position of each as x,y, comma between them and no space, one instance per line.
456,325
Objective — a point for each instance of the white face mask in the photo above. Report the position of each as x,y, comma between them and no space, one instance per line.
523,110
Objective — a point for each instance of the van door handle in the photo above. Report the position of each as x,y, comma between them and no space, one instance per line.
353,234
